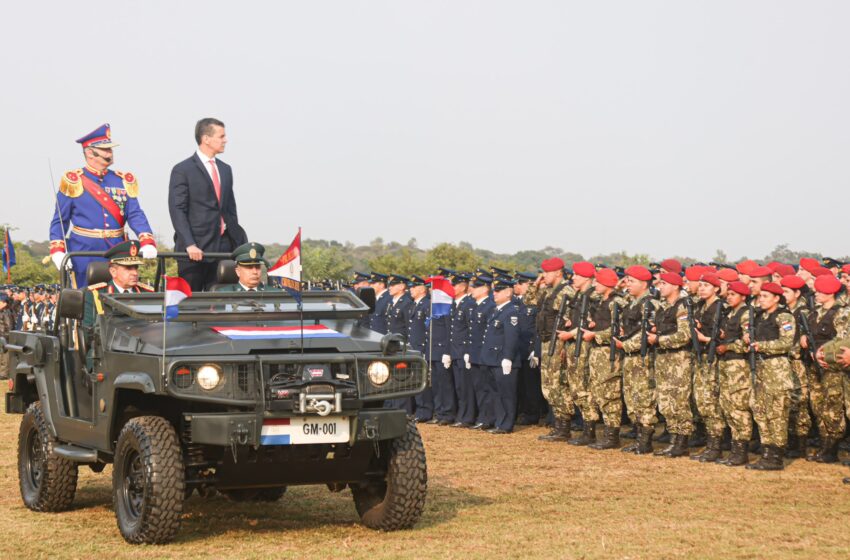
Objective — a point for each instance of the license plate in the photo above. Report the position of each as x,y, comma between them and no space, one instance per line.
305,430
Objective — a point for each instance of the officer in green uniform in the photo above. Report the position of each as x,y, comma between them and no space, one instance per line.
124,260
249,269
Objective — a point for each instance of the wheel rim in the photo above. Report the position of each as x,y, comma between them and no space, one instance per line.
133,485
35,459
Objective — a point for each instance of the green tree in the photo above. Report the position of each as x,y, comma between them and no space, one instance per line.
321,262
455,257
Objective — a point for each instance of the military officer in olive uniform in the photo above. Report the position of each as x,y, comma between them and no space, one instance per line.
249,269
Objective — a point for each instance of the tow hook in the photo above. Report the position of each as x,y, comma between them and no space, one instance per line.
239,436
370,428
320,404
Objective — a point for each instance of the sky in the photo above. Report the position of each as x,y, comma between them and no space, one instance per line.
666,128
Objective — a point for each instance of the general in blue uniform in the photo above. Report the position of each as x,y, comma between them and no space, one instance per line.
93,206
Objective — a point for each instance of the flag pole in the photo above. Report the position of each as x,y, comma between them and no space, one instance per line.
300,300
6,255
164,323
430,335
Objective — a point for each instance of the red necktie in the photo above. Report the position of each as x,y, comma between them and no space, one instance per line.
217,185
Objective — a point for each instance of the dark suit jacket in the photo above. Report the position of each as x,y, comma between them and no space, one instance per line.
195,210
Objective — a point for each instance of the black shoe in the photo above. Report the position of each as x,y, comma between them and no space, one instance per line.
497,431
846,480
461,425
480,426
445,422
431,421
523,420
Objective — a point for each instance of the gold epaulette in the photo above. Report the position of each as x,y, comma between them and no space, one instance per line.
97,286
130,183
71,184
145,287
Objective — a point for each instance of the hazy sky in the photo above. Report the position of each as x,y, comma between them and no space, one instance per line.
661,127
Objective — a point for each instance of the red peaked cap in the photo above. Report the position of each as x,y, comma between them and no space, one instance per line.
694,273
760,272
728,274
550,265
783,269
583,268
672,265
773,288
711,279
639,273
792,281
819,271
808,263
672,278
739,288
607,277
827,284
744,267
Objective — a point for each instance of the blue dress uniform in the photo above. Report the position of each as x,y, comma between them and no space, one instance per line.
365,320
459,346
418,339
502,342
398,322
442,377
99,205
530,402
480,385
378,319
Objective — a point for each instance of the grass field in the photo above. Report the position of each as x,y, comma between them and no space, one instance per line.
489,497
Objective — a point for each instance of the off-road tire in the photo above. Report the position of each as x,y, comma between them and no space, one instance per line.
148,481
397,501
255,494
48,481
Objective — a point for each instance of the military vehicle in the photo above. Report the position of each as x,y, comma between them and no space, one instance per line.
243,394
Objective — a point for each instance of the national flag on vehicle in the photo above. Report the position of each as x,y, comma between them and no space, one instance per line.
176,290
288,268
266,333
442,296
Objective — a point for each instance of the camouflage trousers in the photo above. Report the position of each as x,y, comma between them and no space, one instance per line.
4,365
606,386
556,391
673,383
736,387
799,422
771,400
578,380
707,398
639,389
827,396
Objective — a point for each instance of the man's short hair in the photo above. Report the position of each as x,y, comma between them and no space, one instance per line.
205,128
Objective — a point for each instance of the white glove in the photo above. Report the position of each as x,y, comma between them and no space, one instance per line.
533,360
148,251
447,361
466,361
57,260
25,318
506,367
34,320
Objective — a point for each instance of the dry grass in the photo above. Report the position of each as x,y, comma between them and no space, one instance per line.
489,497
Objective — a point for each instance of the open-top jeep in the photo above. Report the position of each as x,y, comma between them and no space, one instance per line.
243,393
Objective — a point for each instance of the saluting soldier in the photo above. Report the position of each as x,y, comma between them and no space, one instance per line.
94,204
530,396
250,259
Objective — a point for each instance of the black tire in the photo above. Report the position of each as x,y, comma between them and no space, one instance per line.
148,481
397,501
48,481
255,494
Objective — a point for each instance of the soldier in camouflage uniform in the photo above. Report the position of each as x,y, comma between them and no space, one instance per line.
735,379
553,382
799,423
638,374
7,325
828,321
706,391
673,363
835,354
771,397
606,388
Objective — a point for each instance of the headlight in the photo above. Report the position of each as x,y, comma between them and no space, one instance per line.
209,377
379,372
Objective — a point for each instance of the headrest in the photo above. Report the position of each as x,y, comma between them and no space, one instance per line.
226,272
97,272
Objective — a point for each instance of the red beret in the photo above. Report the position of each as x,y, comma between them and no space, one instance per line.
671,278
808,264
693,273
772,265
820,271
784,269
760,272
607,277
552,264
585,269
639,273
744,267
846,269
773,288
827,284
672,265
739,288
711,279
728,274
792,281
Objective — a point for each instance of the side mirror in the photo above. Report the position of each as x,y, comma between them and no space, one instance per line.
71,304
367,295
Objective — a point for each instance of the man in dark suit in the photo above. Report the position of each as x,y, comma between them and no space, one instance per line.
203,207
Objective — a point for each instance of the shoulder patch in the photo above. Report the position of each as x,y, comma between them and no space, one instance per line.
97,286
71,184
130,183
145,287
514,320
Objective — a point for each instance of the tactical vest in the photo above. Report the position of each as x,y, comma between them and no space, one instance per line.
665,319
602,315
733,330
576,310
823,329
548,314
632,316
706,316
767,327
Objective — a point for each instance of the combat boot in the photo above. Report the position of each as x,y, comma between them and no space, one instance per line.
796,446
771,459
644,440
697,439
712,452
665,452
664,437
828,452
680,447
632,433
738,456
560,432
610,439
588,434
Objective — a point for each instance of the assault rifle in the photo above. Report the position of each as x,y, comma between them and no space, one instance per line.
558,320
812,349
647,318
697,347
751,330
615,332
582,314
715,333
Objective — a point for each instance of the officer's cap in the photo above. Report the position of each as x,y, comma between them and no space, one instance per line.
417,281
481,280
360,277
125,254
100,137
503,283
522,277
249,254
377,277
